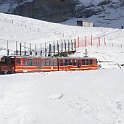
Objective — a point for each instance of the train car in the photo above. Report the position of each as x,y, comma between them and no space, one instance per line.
20,64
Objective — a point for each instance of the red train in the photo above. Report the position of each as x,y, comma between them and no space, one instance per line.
19,64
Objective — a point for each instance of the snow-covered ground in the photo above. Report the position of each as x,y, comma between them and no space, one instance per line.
89,97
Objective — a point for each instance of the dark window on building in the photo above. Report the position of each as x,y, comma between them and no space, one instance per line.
79,23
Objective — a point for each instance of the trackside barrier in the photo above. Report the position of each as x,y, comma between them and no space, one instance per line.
95,41
90,41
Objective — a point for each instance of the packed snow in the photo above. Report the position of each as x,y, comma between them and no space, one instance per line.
72,97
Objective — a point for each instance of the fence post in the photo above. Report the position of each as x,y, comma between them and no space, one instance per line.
61,46
25,48
85,41
99,41
35,49
20,49
54,48
49,50
58,47
91,40
30,50
16,48
104,41
68,46
78,42
71,45
65,45
75,44
45,50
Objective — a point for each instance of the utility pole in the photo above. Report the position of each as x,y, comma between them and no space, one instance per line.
7,48
30,50
20,49
16,47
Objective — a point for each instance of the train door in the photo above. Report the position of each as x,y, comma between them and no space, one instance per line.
7,64
39,62
79,63
12,65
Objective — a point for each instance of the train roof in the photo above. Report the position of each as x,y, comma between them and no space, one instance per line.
48,57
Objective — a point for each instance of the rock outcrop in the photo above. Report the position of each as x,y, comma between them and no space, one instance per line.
49,10
56,10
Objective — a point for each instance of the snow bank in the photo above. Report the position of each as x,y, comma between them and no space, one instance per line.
92,97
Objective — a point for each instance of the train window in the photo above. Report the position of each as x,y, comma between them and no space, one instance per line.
70,61
90,62
25,62
66,62
74,62
47,63
51,62
61,62
83,61
18,61
34,62
86,62
3,61
55,62
29,62
7,61
39,62
43,63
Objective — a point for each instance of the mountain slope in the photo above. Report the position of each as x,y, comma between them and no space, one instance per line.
27,30
61,10
68,97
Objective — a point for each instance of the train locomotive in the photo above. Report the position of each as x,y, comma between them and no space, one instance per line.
22,64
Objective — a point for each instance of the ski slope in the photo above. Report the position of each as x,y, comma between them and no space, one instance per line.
89,97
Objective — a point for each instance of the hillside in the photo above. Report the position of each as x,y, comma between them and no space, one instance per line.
101,12
71,97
